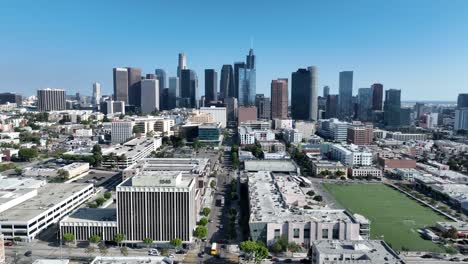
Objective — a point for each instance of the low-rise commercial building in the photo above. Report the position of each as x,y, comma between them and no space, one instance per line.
320,167
361,135
306,128
394,163
30,208
272,146
210,133
351,155
219,114
355,252
123,156
248,136
362,172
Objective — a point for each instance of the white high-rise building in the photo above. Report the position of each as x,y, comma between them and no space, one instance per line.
96,93
149,95
219,114
121,131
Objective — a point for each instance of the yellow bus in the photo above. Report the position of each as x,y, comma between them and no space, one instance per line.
214,249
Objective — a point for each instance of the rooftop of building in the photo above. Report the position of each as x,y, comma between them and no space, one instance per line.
271,165
12,183
186,165
326,163
459,226
149,178
129,148
210,126
363,251
51,261
132,260
455,191
47,197
92,215
274,200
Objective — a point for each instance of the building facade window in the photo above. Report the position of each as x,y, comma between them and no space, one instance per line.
296,232
325,233
277,233
307,233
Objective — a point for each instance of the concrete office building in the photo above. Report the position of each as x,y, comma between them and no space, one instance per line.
226,83
237,67
306,128
174,92
351,155
334,129
231,108
120,84
121,131
134,86
346,94
377,96
50,100
218,113
304,104
129,153
279,99
292,136
211,85
361,135
247,135
11,98
263,105
96,93
113,107
189,88
28,207
246,113
156,204
150,96
276,210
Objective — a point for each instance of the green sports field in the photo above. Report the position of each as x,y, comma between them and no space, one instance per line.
393,215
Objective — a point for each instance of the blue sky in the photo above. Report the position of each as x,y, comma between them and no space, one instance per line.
418,46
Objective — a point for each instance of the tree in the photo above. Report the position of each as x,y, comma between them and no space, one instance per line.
203,221
339,173
105,119
148,241
206,211
97,154
18,170
280,245
318,198
176,242
68,238
451,233
196,144
212,184
249,247
118,238
100,201
107,195
136,130
63,174
201,231
94,239
311,193
27,154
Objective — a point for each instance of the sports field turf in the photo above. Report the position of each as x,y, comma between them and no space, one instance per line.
393,215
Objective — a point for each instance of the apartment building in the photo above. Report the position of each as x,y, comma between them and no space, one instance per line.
351,155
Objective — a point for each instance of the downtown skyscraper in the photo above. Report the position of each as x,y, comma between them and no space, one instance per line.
50,100
279,99
188,88
120,84
182,65
392,108
247,81
96,93
304,104
226,83
211,85
163,93
346,94
377,96
134,86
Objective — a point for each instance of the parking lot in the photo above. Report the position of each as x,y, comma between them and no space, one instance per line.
102,178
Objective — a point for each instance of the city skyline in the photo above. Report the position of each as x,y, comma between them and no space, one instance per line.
416,46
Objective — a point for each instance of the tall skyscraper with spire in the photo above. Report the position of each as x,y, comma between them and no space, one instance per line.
247,80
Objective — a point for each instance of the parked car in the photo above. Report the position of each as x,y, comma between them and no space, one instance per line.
28,253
